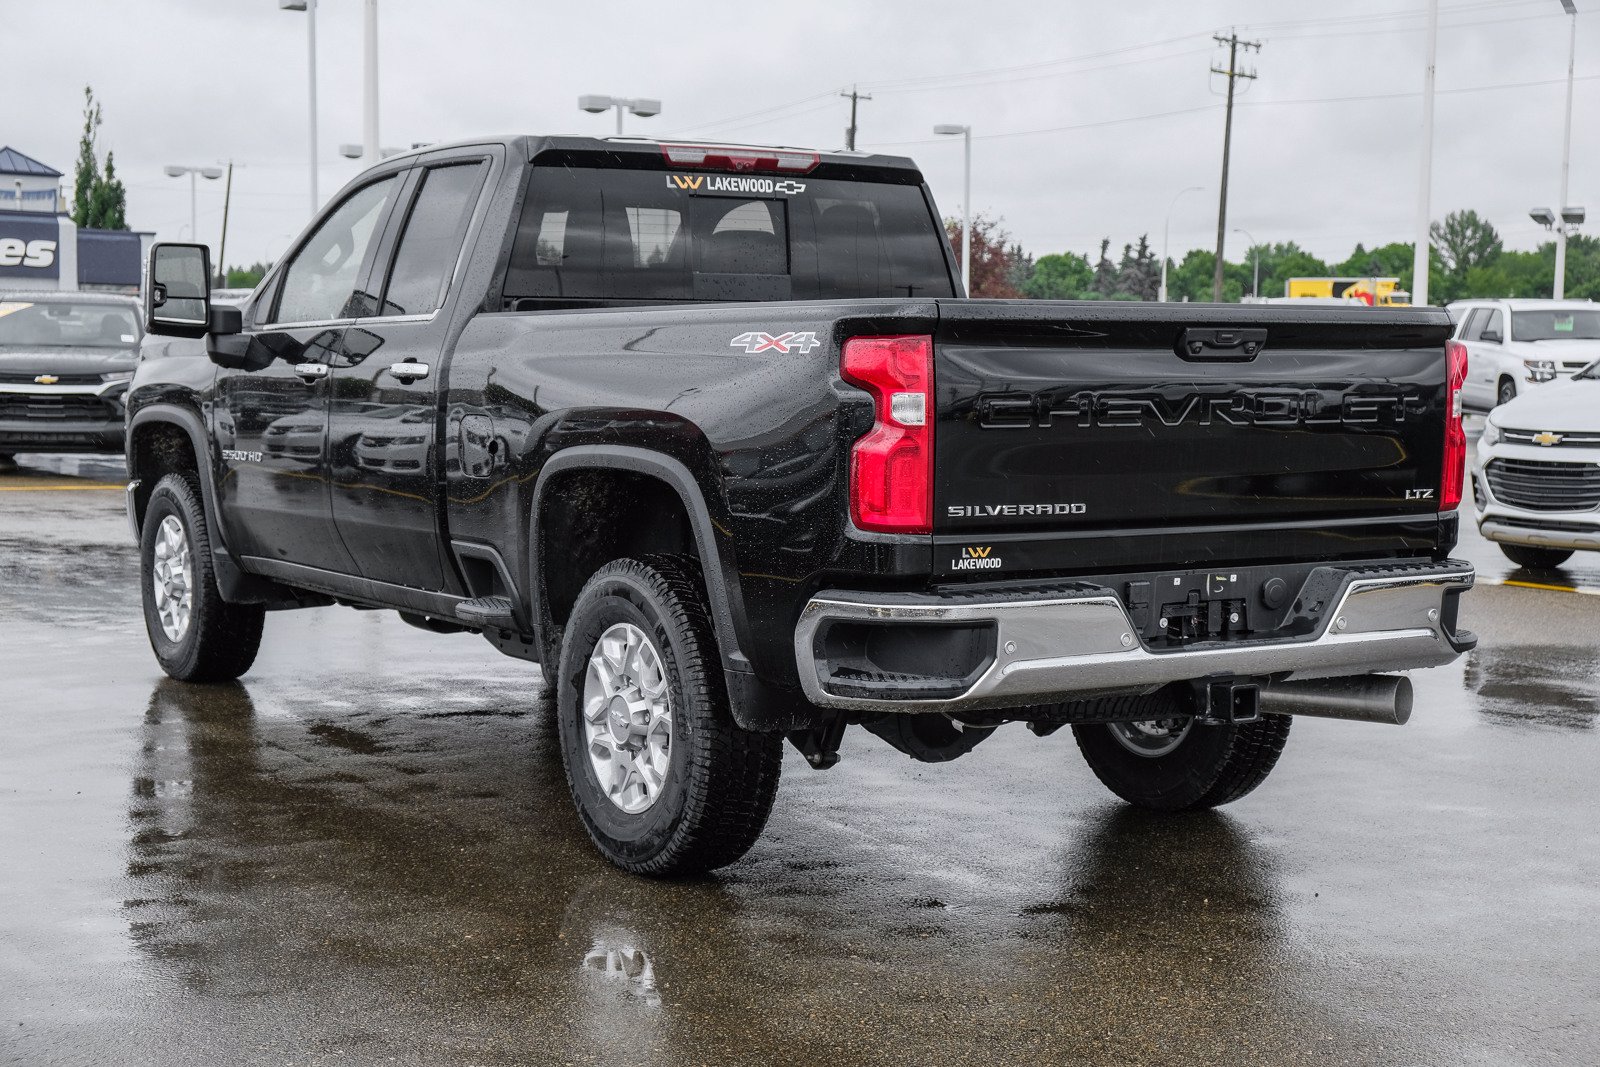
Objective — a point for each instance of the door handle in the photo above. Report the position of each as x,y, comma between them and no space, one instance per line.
312,372
409,371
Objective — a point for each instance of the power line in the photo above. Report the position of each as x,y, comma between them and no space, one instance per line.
1233,74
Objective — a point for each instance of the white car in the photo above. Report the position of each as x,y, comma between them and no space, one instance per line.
1537,478
1513,345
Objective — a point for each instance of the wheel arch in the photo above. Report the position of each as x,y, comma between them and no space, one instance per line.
721,579
156,435
155,439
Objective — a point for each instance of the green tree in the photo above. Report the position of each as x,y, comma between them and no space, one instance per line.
247,277
1139,274
99,201
1060,276
1465,240
1020,268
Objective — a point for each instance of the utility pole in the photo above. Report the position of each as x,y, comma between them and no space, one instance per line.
222,246
1233,74
850,132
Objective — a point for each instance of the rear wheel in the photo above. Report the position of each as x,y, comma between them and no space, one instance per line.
196,635
1507,391
664,780
1536,559
1178,764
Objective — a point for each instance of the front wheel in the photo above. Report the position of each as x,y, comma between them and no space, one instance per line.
1536,559
664,780
1507,391
196,635
1178,764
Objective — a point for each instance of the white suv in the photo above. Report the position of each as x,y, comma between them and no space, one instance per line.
1514,344
1537,477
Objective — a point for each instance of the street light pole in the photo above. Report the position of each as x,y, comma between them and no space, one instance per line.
1255,250
1166,230
598,104
1419,258
966,202
369,109
310,8
176,170
1566,154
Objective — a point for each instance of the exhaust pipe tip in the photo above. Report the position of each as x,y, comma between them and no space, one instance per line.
1384,698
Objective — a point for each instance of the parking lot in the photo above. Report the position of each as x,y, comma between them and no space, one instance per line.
365,853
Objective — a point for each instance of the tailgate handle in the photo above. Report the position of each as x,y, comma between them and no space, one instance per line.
1221,344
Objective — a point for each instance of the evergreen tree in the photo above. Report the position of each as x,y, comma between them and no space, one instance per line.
99,201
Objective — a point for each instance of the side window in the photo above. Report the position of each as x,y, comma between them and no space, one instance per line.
1496,326
319,284
1474,324
428,250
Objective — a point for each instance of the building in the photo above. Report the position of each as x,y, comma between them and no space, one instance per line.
42,248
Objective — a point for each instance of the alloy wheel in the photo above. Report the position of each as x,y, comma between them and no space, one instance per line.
627,718
172,578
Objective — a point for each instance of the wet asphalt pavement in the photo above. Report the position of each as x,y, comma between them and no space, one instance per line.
365,853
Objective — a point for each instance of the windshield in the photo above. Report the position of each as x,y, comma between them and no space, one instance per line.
589,236
66,324
1556,325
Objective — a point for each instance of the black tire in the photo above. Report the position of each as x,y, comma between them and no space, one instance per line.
1211,765
719,786
220,640
1506,392
1536,559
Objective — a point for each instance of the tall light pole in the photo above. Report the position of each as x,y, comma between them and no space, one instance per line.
1566,155
598,104
1166,229
950,129
175,170
310,8
369,55
1419,256
1255,284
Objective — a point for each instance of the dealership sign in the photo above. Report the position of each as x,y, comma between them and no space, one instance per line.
28,247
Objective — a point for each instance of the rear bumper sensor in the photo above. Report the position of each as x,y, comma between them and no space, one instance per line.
942,653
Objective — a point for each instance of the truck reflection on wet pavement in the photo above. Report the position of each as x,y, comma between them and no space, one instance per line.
366,853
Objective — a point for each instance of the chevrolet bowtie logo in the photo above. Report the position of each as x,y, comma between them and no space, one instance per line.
1545,437
46,379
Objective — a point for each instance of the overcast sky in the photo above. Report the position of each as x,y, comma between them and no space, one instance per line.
1087,116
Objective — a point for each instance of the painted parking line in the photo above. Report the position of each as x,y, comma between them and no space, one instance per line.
1550,587
59,488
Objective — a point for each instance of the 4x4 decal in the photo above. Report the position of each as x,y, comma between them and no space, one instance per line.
783,342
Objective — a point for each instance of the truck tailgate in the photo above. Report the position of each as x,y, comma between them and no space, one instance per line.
1075,436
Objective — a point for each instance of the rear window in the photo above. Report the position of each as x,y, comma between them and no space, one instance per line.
1555,325
590,235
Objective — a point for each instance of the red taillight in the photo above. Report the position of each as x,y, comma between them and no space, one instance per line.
717,157
891,468
1455,435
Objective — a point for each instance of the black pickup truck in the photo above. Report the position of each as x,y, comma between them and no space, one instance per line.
711,435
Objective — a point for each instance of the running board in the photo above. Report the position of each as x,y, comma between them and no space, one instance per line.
487,611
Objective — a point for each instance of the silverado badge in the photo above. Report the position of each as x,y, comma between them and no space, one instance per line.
46,379
1545,437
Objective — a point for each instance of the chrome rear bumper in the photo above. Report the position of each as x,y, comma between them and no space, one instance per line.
1063,647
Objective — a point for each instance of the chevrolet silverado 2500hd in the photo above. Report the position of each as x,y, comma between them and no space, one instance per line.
710,434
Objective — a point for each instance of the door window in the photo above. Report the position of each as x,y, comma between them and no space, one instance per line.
1495,327
431,244
1474,324
319,284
